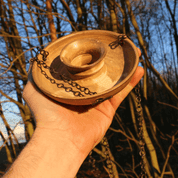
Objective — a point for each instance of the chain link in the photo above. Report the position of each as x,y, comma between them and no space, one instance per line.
140,119
92,161
41,64
105,144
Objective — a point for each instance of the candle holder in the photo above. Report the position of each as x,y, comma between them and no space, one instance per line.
85,67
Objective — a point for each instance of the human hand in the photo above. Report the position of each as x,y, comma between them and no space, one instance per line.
83,126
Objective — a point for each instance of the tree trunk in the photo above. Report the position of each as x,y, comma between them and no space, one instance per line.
50,20
113,17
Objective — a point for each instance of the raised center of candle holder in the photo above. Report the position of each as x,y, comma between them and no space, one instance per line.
83,57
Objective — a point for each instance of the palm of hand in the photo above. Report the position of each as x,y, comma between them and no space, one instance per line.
74,122
83,125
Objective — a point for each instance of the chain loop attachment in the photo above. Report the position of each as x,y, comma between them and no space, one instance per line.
118,42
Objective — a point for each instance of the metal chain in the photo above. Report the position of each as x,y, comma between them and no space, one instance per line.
143,174
41,64
105,143
82,90
140,119
92,161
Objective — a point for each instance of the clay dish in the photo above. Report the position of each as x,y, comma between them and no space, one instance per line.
87,58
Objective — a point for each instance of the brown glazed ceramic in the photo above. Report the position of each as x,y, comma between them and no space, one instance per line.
86,58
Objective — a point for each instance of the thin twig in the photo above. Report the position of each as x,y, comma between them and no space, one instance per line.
120,131
166,104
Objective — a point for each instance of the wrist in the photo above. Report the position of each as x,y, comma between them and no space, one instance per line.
59,139
48,155
60,154
64,152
